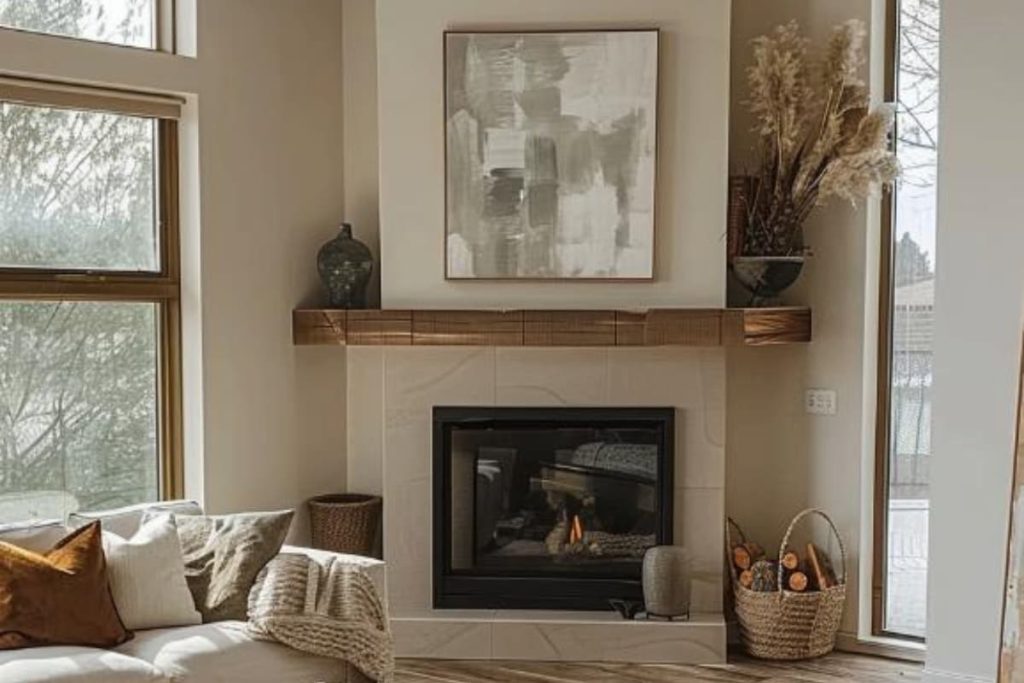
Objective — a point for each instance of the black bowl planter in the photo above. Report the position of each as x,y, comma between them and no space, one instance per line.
766,277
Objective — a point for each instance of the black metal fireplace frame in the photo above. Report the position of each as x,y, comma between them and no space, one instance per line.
459,589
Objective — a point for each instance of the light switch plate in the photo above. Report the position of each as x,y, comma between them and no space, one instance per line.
820,402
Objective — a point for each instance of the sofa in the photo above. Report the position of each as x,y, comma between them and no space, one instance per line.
220,652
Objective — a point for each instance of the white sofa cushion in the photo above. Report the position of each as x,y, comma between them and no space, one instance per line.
147,576
223,653
38,537
75,665
126,521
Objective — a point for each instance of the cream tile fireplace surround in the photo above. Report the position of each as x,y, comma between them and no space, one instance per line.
393,390
391,393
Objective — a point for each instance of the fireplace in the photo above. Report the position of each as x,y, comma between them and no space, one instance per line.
548,508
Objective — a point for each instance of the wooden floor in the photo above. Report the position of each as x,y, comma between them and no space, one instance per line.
838,668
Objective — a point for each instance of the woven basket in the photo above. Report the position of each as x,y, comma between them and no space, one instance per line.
345,522
784,625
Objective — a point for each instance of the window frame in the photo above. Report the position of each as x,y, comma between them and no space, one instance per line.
886,309
162,288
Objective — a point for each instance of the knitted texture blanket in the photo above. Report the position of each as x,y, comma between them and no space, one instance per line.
324,607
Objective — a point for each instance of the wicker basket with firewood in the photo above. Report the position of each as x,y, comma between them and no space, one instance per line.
788,608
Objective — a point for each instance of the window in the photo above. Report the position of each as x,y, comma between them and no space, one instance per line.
908,291
89,292
121,22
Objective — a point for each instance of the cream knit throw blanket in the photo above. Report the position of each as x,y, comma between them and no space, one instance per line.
325,607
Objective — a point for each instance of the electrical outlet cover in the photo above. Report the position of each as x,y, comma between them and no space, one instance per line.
820,402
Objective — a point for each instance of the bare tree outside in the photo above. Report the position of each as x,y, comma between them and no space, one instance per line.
914,228
78,379
124,22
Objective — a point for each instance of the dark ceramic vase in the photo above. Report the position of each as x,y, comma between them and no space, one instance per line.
345,265
766,277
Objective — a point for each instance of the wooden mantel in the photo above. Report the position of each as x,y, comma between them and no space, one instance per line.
655,327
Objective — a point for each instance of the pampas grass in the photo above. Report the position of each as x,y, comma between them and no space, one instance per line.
819,137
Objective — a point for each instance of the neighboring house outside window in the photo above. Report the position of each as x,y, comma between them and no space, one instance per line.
907,304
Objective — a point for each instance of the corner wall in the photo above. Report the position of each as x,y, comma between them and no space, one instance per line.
271,181
779,459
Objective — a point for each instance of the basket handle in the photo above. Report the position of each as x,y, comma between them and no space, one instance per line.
835,532
731,524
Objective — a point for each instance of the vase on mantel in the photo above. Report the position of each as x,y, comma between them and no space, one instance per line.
345,265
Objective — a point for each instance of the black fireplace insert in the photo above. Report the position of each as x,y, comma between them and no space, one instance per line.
548,508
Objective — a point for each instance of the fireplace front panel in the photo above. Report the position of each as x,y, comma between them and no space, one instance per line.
548,508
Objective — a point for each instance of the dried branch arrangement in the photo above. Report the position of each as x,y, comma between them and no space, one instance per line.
819,137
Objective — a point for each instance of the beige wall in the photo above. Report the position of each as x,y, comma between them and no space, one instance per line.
780,460
979,294
270,127
359,41
265,423
693,132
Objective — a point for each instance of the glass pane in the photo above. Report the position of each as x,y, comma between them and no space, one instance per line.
556,499
77,190
123,22
78,407
913,300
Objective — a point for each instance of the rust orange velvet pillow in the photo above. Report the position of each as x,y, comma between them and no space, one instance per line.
59,598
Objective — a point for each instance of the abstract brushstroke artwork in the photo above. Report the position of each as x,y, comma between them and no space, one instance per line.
551,143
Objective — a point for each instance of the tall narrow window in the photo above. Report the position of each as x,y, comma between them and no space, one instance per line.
89,289
905,377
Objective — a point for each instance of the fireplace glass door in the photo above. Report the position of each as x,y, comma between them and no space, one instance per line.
551,500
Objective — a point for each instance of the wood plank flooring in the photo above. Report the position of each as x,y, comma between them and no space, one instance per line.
837,668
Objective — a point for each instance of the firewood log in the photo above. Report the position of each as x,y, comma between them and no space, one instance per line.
745,555
797,582
821,567
790,560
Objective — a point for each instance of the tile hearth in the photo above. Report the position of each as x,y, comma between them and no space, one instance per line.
558,637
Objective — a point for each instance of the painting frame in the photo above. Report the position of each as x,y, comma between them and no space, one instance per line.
650,276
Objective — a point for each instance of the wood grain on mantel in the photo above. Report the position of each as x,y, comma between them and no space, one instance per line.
544,328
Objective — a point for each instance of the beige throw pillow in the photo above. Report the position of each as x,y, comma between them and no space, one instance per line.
224,554
147,576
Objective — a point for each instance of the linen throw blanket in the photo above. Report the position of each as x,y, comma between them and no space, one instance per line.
325,607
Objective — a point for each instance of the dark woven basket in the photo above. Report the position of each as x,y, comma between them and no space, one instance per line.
345,522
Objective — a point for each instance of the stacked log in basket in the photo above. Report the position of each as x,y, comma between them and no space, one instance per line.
789,607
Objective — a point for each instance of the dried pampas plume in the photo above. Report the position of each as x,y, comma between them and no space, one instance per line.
819,136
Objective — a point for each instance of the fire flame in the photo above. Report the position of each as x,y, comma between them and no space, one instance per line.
576,530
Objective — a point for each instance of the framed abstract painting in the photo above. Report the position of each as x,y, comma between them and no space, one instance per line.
551,145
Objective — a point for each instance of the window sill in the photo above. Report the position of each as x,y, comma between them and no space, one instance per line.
878,646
